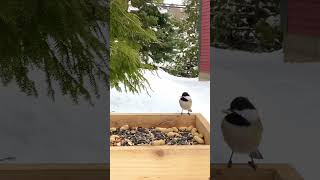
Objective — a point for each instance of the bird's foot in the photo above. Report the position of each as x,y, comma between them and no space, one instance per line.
189,113
253,165
229,164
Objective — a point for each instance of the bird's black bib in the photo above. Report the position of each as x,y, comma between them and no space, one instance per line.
237,120
184,99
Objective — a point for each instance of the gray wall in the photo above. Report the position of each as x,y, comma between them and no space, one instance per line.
38,130
287,97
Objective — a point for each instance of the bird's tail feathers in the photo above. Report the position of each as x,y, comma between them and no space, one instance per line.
256,155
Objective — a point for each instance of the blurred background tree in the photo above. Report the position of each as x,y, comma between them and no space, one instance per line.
186,64
164,48
63,39
250,25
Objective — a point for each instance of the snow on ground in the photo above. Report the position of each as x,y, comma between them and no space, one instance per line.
173,1
164,96
287,97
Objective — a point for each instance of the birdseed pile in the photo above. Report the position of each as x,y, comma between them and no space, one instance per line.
156,136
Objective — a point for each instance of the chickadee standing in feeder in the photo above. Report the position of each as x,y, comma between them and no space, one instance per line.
185,102
242,129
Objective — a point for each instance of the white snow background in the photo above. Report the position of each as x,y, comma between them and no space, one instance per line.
164,95
173,1
287,97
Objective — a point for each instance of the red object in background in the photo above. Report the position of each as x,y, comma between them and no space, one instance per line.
204,64
303,17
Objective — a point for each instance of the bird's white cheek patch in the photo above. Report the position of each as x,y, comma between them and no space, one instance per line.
187,97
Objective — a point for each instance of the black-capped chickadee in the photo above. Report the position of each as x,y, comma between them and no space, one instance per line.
185,102
242,129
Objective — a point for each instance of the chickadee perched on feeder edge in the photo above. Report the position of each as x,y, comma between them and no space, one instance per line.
185,102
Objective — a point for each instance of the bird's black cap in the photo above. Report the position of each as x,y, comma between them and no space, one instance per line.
185,94
241,103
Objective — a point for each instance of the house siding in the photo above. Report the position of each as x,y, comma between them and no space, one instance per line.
303,17
302,38
204,65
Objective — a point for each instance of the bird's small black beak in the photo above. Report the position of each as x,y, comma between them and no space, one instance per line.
226,111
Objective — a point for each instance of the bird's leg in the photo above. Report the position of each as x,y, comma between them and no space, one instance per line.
189,112
181,111
230,160
252,164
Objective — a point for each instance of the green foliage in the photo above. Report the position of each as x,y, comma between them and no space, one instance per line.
136,37
161,50
64,39
126,36
176,48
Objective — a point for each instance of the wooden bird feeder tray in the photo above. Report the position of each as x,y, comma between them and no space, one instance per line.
263,172
178,162
54,171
